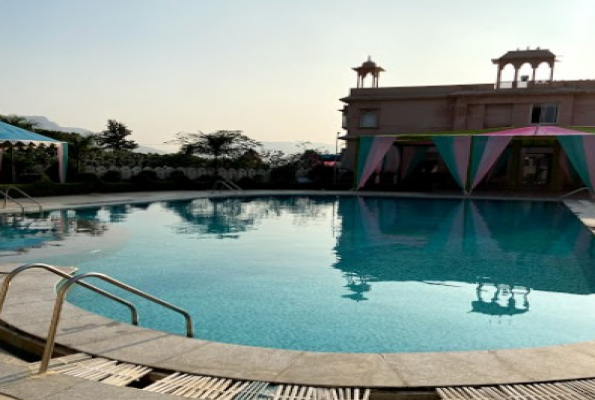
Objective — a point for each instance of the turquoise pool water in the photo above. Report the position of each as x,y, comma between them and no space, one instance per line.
340,274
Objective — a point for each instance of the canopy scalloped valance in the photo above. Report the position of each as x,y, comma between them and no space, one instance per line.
12,136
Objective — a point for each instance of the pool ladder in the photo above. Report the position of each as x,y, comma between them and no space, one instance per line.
7,196
226,184
572,193
78,279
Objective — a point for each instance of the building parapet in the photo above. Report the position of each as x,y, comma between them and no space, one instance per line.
422,92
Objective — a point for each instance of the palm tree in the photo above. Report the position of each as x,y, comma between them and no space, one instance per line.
216,144
114,137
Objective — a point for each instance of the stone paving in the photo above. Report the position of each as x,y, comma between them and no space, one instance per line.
31,298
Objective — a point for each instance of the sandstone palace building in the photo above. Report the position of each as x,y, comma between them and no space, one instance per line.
437,137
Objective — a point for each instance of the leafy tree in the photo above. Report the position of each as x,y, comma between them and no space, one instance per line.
19,121
114,137
218,144
81,148
274,158
285,167
250,159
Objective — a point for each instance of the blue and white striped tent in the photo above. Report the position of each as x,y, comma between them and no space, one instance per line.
13,136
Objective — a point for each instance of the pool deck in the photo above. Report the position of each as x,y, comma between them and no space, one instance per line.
31,299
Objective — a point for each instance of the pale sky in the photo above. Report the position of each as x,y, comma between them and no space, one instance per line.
275,69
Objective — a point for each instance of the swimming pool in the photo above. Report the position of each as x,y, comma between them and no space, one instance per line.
353,274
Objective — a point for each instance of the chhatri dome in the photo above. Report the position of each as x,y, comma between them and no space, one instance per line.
368,67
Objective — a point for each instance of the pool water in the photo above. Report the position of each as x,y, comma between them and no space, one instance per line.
349,274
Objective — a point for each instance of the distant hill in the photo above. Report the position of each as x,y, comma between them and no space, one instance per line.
285,147
298,147
45,123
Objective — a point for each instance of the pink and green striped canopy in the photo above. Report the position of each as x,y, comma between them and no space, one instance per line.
470,155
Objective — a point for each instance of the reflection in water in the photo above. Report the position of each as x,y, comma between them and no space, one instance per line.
502,301
19,234
346,274
508,247
228,217
358,285
224,218
459,241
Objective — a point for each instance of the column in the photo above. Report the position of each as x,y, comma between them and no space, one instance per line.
557,179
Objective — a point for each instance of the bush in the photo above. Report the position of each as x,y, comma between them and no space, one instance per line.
178,176
112,176
284,173
87,177
146,176
32,177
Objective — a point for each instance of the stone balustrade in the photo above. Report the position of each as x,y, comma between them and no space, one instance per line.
165,172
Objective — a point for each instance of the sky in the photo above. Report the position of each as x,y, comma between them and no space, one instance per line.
274,69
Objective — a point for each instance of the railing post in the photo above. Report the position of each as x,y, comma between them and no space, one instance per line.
13,273
51,339
121,285
61,296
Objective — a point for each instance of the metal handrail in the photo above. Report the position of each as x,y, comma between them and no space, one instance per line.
7,197
19,190
51,339
15,272
571,193
229,185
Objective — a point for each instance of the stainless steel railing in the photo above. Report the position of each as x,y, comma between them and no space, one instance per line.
7,197
78,279
225,184
572,193
15,272
63,291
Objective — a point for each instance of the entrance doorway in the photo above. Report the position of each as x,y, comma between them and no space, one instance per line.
536,167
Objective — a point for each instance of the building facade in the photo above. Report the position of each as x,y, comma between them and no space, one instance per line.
523,101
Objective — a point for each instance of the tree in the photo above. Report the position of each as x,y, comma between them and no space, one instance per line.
81,148
18,121
218,144
285,167
114,137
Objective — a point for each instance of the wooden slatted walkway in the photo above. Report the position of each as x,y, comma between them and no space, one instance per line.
293,392
203,387
570,390
193,386
211,388
97,369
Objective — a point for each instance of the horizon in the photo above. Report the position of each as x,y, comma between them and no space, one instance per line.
275,70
